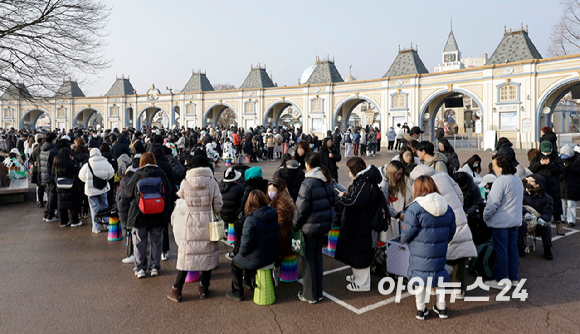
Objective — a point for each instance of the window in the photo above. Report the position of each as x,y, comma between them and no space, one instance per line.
8,113
399,101
317,105
508,93
190,109
61,112
114,111
249,107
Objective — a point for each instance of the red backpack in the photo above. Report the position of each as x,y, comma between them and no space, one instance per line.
151,195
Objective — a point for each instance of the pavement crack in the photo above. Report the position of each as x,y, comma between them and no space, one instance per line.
276,319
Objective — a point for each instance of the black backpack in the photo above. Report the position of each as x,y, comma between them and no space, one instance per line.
381,219
484,264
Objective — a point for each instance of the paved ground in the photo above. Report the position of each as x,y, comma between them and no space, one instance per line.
67,280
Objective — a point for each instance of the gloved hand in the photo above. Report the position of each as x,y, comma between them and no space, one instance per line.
528,216
542,222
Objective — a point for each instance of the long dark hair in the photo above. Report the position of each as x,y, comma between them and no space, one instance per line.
403,150
502,141
475,158
447,148
315,160
304,145
324,146
61,160
256,200
283,169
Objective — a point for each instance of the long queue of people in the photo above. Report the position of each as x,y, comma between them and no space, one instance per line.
442,210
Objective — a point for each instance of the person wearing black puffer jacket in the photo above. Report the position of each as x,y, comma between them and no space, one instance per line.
64,166
232,193
121,147
536,198
355,241
570,184
314,216
48,152
290,171
259,242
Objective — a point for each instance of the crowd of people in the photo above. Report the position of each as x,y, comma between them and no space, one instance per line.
441,209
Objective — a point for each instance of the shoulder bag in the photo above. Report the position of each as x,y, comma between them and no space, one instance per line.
216,225
97,181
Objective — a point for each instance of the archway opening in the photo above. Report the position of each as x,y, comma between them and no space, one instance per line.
456,115
153,117
357,113
36,119
129,117
560,110
284,114
88,118
176,117
220,114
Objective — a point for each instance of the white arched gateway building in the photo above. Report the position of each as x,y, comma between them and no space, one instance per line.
513,95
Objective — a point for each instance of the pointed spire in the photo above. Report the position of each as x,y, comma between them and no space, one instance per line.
452,24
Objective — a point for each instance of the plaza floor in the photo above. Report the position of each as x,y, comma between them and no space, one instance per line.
69,280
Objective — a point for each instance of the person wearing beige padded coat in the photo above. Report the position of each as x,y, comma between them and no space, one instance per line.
190,221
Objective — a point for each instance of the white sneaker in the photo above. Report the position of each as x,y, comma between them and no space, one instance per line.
350,278
164,256
459,294
77,224
140,273
96,231
356,288
495,285
154,272
514,283
129,259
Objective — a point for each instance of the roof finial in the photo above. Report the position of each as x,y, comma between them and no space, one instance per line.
504,29
411,46
349,68
399,47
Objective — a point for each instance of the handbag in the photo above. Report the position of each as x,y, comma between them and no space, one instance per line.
64,183
97,181
216,226
298,245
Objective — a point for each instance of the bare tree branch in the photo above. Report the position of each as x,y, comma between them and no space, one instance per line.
43,42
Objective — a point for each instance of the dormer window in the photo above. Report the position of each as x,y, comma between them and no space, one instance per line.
508,93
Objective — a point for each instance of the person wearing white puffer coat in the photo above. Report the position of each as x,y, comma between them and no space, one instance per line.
461,247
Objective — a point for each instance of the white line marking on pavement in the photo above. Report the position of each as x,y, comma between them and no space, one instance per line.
341,303
335,270
379,304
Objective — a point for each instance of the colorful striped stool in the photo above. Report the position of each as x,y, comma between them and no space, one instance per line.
289,269
192,276
228,162
232,237
115,233
332,239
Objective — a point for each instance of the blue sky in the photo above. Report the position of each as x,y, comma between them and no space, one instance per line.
160,42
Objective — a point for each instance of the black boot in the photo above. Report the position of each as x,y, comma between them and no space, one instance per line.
175,295
548,253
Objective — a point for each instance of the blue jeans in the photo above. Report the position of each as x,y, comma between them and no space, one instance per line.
97,203
507,260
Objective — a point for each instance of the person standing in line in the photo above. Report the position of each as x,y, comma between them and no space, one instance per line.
363,142
372,142
379,137
48,152
570,184
330,155
429,225
391,137
65,167
503,214
313,216
355,241
97,166
398,137
347,138
195,252
356,141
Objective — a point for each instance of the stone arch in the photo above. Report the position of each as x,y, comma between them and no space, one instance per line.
210,108
43,111
86,121
149,119
552,96
277,102
358,100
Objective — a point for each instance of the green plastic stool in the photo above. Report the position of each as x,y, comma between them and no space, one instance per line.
264,290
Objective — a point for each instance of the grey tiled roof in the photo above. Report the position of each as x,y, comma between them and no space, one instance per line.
197,83
514,46
258,78
407,62
69,89
325,72
121,87
451,43
16,92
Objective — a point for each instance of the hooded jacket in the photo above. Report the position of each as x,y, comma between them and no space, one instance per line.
507,150
123,202
541,201
570,179
504,202
136,218
397,202
48,152
161,159
474,175
551,173
354,245
200,192
232,194
472,199
391,134
452,163
121,147
314,205
438,162
428,228
102,169
329,162
462,245
259,240
293,178
123,162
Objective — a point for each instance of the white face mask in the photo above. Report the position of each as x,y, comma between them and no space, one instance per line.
272,194
475,165
94,136
546,153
